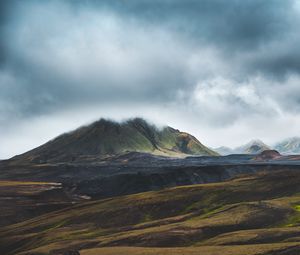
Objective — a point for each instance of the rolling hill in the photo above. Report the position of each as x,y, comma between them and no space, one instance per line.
258,214
224,150
105,138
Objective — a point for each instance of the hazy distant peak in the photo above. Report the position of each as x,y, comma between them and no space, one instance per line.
289,146
254,146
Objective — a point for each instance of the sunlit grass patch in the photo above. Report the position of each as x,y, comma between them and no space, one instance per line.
294,220
297,208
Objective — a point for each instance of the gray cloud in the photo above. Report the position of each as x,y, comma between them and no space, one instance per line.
211,63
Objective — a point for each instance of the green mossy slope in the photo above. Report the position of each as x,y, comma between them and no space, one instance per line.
104,137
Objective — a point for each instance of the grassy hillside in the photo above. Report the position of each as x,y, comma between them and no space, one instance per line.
21,200
105,137
250,215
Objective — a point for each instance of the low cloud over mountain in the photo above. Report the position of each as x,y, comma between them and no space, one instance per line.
217,69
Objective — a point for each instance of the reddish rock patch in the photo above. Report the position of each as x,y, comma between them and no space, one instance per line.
268,155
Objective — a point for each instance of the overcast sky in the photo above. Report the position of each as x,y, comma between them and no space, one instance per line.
227,71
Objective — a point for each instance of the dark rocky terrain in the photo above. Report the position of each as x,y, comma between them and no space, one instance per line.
136,172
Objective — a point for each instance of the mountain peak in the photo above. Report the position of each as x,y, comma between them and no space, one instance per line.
253,147
256,142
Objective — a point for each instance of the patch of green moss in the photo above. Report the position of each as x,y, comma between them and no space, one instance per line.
212,211
147,217
210,201
293,220
55,226
297,208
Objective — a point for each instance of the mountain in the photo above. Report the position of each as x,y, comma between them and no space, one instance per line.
106,138
289,146
223,150
253,147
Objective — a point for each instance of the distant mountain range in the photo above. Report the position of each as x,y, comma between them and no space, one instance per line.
253,147
106,138
288,146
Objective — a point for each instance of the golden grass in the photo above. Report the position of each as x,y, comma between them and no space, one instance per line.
204,250
23,183
196,215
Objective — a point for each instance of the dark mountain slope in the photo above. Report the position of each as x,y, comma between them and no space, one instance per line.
105,138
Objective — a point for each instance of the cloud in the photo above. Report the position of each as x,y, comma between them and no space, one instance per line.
203,66
91,56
